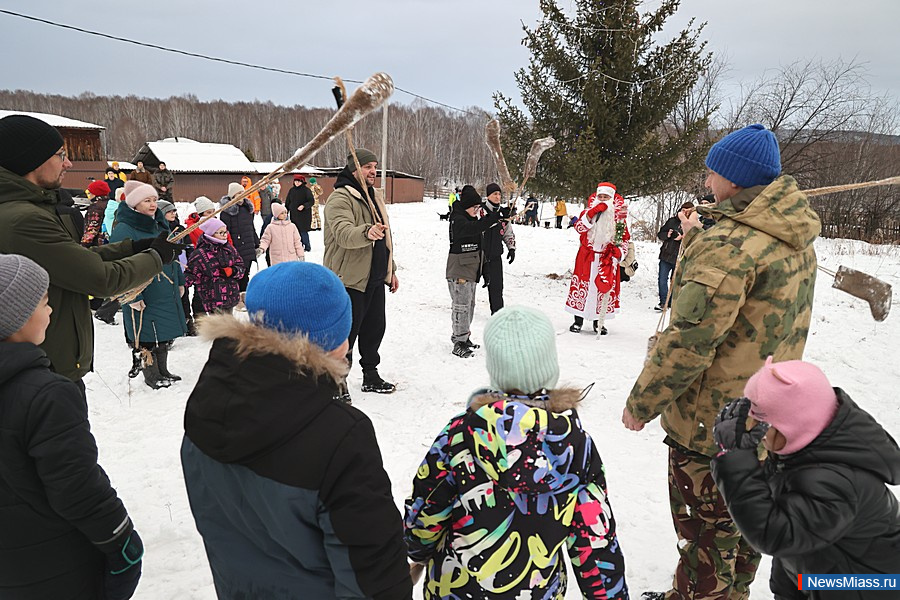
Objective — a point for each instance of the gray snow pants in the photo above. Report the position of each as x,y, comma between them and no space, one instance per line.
462,295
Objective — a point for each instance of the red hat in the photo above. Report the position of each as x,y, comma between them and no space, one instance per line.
99,187
300,178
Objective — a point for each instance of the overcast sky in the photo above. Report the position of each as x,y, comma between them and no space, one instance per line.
454,51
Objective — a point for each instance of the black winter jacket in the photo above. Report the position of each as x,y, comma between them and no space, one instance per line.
239,220
670,246
299,196
286,482
465,258
55,500
825,509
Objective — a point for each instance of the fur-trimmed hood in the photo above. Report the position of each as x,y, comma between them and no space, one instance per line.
251,338
529,446
258,389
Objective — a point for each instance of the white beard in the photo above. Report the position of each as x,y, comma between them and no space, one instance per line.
603,231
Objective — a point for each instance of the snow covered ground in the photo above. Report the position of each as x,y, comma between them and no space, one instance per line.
139,431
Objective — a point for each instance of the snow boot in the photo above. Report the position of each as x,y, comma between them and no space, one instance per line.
152,377
343,394
596,324
653,596
161,354
107,312
603,331
576,326
372,382
461,350
471,345
135,363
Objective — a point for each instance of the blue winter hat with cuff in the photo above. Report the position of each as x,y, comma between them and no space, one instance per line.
746,157
301,298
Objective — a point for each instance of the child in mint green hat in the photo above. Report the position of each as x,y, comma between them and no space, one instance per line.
517,464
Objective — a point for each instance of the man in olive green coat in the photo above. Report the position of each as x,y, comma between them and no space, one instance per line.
743,291
33,162
359,249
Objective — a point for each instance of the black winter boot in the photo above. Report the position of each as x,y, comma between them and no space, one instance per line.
162,359
472,346
107,312
372,382
152,377
343,394
576,326
135,363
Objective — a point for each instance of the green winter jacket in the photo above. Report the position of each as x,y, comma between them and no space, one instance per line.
348,252
163,318
30,226
743,291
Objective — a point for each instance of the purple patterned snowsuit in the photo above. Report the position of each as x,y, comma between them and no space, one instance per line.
206,270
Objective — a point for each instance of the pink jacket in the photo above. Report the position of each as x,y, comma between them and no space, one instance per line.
282,240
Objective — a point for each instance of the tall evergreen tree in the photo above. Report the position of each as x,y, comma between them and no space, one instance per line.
600,84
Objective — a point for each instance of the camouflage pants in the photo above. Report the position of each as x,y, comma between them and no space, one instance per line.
715,562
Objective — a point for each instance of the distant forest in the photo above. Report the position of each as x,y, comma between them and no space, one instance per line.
445,147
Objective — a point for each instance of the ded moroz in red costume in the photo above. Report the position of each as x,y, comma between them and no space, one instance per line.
603,227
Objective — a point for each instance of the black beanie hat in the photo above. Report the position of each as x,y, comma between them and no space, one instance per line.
491,188
26,143
468,198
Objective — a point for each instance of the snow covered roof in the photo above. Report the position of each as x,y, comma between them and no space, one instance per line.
265,168
123,164
54,120
184,155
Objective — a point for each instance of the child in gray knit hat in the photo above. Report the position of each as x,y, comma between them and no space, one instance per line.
57,500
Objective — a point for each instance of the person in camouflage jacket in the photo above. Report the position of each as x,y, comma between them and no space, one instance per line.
743,291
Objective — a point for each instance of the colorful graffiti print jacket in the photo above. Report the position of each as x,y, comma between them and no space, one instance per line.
505,489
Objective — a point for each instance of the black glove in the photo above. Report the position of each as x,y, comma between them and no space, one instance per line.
123,568
167,250
504,212
511,255
730,430
141,245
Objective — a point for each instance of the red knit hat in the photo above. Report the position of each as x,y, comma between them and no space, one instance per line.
99,187
299,178
795,398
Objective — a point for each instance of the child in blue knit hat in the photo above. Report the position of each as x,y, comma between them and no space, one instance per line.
516,466
285,480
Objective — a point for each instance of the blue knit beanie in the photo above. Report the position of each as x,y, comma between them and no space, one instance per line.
301,298
520,344
746,157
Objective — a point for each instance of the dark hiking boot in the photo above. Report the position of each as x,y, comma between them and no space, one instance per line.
575,328
596,323
162,360
461,350
471,345
135,363
603,331
372,382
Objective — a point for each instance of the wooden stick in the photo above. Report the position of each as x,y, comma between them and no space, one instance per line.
832,189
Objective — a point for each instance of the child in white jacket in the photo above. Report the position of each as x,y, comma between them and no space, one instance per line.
281,238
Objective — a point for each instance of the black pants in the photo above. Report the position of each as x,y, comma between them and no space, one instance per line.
186,303
368,325
197,304
559,221
493,270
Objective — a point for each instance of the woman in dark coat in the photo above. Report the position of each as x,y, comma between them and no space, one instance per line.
155,317
239,220
299,202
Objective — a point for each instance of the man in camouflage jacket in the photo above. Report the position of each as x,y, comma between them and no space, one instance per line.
743,291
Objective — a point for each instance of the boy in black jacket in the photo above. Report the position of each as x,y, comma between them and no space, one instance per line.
492,243
819,505
464,264
64,534
285,480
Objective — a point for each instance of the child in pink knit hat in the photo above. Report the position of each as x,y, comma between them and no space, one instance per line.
820,502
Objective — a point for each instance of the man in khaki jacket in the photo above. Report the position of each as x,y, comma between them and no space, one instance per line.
743,291
359,249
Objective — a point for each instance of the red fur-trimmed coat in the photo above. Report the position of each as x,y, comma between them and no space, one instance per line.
585,292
